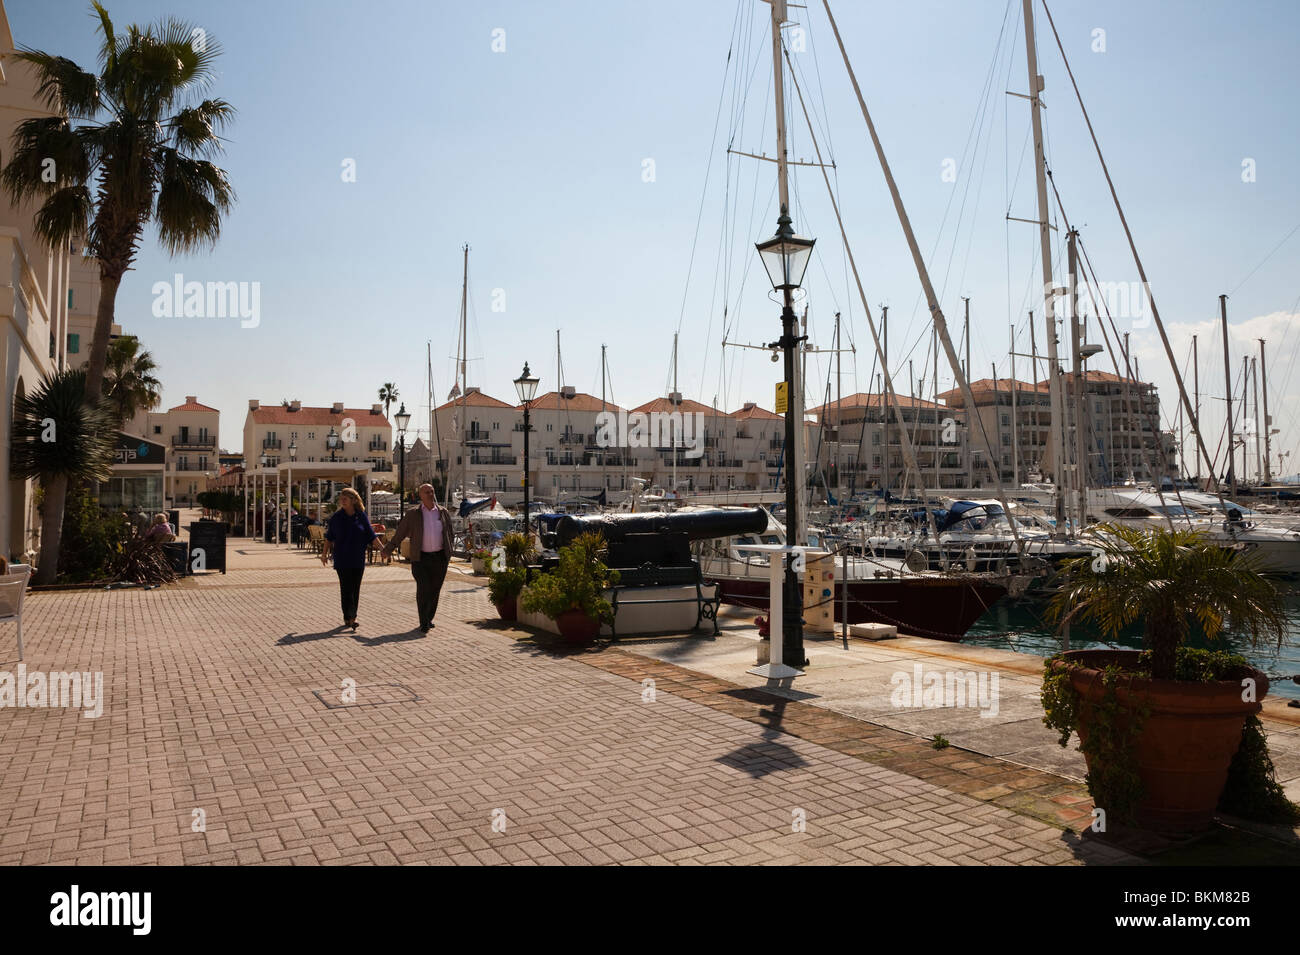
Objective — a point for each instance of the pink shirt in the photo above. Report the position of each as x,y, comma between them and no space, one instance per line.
432,530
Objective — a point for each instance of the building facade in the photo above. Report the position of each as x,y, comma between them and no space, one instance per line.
189,433
293,431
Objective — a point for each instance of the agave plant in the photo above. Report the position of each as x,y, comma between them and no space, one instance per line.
59,436
1167,580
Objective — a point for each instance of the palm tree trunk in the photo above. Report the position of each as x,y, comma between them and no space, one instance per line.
108,284
52,507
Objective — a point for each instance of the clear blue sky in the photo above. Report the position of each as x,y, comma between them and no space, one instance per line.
535,157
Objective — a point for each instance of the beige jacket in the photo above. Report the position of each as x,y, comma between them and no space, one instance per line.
412,526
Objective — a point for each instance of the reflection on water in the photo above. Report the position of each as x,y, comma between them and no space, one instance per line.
1019,626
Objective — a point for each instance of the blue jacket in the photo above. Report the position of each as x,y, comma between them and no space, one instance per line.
350,537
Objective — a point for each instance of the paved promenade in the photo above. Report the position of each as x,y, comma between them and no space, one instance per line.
226,738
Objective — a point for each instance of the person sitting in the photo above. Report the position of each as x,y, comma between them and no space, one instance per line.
161,532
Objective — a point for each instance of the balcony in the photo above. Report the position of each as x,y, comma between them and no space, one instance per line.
269,444
377,444
501,460
198,442
475,435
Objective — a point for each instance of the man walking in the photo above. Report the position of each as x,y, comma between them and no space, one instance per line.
429,529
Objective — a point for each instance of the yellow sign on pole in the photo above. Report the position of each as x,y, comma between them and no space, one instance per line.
782,396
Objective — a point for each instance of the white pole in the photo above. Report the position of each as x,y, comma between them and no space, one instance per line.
277,506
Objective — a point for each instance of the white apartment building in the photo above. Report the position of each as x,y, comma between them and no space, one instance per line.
34,294
279,433
189,432
860,447
575,452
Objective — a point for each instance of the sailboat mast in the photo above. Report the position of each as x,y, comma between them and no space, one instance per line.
673,401
1263,374
604,481
1015,421
1196,386
1057,423
839,404
464,348
1227,380
1080,398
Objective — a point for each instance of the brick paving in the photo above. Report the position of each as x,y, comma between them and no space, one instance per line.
211,704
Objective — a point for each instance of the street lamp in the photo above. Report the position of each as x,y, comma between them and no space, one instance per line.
526,387
293,450
333,442
785,256
403,419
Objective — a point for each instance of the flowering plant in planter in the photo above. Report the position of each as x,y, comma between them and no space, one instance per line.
1161,728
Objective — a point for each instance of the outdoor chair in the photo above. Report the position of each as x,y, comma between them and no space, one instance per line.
13,587
316,537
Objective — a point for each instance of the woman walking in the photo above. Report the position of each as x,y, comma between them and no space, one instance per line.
346,538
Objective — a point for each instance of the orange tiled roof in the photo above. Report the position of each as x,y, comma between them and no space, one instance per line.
747,414
865,399
664,406
279,414
194,406
475,399
580,401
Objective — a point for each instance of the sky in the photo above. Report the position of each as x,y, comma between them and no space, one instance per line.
580,149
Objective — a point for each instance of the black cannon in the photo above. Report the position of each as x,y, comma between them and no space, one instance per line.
653,549
694,524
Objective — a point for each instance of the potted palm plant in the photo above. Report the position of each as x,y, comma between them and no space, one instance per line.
506,581
573,594
1160,727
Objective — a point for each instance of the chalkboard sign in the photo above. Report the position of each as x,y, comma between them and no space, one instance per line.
208,545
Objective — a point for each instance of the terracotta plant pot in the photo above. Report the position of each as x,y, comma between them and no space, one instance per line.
1187,741
508,609
576,627
478,566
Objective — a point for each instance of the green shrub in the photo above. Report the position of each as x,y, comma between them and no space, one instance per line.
92,538
578,583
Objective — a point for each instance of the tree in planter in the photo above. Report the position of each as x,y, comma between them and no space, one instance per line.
126,146
60,437
577,584
505,583
1170,582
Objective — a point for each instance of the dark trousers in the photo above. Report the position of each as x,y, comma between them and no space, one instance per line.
349,589
429,573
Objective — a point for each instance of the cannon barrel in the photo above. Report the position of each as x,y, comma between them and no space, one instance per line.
696,525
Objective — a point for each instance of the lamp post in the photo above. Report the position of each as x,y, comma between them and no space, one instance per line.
526,387
785,256
333,442
403,419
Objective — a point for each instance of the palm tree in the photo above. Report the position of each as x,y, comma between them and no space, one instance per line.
129,382
387,394
60,436
1167,580
130,144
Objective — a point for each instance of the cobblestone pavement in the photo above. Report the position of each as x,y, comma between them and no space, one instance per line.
225,739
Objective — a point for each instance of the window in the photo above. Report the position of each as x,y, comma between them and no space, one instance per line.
496,425
74,343
70,298
548,427
157,429
875,438
1006,421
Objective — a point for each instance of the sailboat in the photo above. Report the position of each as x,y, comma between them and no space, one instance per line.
940,604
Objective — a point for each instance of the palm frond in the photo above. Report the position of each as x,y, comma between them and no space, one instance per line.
62,85
195,130
192,195
57,431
